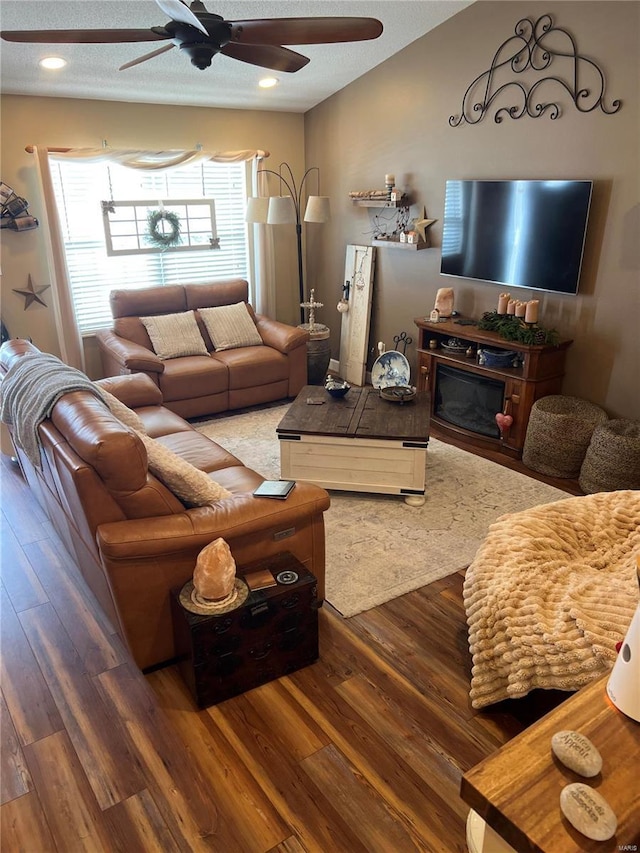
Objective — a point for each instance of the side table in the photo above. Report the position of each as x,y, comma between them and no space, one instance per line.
273,633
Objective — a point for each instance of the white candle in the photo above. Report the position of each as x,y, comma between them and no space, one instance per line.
521,308
511,306
531,314
390,179
503,301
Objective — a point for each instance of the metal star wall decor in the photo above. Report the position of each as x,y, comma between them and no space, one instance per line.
31,294
421,223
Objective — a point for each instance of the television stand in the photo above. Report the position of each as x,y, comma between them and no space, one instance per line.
509,390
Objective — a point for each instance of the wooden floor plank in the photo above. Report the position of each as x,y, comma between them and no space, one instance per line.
136,824
378,826
24,828
19,578
23,512
182,793
14,773
33,710
406,738
397,785
303,805
70,601
71,811
237,794
96,735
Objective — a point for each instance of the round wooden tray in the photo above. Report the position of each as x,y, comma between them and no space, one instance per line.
398,393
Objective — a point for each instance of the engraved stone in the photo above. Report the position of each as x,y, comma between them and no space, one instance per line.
577,753
588,811
215,571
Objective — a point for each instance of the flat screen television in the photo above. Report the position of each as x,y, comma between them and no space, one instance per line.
517,233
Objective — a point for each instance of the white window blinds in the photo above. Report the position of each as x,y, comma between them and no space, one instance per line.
81,187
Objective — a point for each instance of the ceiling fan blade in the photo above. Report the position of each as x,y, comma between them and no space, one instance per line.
146,56
267,56
80,36
178,11
279,31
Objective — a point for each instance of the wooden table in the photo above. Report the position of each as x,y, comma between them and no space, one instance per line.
358,443
517,790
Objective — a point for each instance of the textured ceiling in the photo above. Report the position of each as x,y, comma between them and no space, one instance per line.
92,70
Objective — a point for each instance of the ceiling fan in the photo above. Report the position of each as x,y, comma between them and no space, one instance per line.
202,35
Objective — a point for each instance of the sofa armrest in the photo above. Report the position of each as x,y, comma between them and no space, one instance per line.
280,336
134,390
129,355
231,518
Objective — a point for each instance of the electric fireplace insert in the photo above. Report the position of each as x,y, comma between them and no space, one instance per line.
468,400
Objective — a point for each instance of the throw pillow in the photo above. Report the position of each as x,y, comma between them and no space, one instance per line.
231,326
192,486
174,335
123,413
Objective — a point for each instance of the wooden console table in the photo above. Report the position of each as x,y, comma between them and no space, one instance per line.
517,789
539,375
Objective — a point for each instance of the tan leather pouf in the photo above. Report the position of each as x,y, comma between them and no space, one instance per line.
558,434
612,460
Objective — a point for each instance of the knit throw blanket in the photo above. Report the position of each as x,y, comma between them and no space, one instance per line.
549,594
29,391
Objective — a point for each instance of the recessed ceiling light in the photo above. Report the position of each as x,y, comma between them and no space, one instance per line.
268,82
52,62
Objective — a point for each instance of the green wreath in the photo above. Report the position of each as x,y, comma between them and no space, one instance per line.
156,232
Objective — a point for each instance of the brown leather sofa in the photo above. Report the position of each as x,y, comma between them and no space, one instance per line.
132,538
198,385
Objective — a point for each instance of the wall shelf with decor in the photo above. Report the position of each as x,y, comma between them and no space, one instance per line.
397,244
405,201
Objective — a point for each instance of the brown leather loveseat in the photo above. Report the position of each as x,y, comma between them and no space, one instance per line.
132,538
196,385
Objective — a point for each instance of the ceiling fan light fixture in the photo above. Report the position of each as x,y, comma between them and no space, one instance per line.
52,63
268,82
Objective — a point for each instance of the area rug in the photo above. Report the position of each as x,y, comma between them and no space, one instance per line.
378,547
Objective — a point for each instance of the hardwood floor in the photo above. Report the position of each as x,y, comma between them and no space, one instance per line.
363,751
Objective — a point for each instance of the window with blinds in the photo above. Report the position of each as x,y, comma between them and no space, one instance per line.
81,188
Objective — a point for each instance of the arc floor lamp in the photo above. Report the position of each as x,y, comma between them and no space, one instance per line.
287,210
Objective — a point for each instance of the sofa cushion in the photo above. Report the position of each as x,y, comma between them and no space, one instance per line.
193,376
174,335
231,326
191,485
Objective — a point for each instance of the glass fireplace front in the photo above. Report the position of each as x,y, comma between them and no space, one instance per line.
468,400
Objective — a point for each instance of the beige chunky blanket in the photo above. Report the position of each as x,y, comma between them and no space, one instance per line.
549,594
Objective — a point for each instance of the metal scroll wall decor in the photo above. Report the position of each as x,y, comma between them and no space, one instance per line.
534,46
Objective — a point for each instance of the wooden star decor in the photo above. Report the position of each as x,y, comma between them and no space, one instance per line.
31,294
420,224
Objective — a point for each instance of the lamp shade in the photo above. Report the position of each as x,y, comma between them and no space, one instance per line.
317,209
281,210
257,209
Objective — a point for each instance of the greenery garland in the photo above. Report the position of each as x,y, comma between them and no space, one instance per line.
515,329
158,236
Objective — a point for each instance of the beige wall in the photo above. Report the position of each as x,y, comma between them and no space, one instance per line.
77,123
395,119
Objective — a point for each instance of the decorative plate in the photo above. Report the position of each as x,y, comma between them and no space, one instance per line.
391,368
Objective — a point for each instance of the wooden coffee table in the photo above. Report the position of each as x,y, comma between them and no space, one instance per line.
358,443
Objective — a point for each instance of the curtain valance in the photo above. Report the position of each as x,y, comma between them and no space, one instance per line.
134,158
